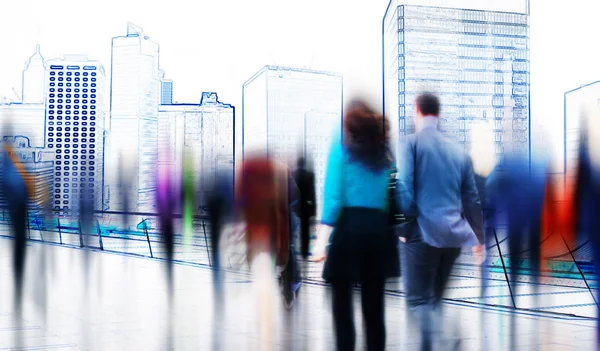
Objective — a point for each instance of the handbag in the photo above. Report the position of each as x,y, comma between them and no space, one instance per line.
233,246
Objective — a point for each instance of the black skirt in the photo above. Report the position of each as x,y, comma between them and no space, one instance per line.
362,246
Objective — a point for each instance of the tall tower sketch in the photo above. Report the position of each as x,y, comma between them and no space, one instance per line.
75,129
32,90
135,96
475,58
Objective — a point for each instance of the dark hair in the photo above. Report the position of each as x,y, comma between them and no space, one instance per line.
366,135
428,104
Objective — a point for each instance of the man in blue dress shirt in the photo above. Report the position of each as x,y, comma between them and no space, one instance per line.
436,186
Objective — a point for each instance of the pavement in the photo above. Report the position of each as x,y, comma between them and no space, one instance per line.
121,302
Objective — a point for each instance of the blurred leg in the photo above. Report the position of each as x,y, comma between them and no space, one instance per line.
422,262
373,312
446,263
343,315
304,236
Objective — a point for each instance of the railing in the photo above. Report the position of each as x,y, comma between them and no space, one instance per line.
134,233
139,234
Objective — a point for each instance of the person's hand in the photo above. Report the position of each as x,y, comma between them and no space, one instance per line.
403,239
320,248
478,254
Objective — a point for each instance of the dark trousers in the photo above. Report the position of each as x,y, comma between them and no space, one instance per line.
426,276
524,241
18,214
372,299
304,236
168,237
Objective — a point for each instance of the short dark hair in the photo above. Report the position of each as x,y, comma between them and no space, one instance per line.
428,104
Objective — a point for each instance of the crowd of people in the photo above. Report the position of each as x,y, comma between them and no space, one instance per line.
434,190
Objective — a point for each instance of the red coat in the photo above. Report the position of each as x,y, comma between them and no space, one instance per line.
262,198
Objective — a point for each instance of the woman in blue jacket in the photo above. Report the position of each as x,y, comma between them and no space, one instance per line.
362,249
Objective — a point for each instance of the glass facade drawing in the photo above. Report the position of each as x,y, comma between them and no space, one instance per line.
477,62
135,96
205,132
75,130
288,112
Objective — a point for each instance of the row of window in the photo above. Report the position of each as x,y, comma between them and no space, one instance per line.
68,118
69,79
76,163
74,174
64,181
84,107
75,146
76,135
76,129
472,15
75,140
68,90
75,168
53,73
51,123
85,85
67,151
76,96
73,191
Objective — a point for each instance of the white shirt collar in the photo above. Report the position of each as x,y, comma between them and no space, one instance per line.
426,122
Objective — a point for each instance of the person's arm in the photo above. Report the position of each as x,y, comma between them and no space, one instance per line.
332,199
405,185
471,201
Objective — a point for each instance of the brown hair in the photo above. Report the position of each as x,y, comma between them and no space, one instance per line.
366,135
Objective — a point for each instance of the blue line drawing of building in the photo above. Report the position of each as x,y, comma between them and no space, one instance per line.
27,115
204,131
289,111
575,103
473,54
32,91
135,96
75,130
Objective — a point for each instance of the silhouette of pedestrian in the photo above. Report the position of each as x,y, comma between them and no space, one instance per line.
305,181
17,193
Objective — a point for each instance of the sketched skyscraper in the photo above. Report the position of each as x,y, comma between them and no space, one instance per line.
474,54
75,129
288,112
33,79
204,132
135,96
27,115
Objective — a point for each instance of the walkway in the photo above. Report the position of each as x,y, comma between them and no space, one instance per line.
125,307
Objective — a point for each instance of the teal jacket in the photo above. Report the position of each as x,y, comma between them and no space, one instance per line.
349,183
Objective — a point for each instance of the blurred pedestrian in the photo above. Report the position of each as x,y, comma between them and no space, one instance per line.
220,207
587,192
263,201
362,248
166,203
436,186
17,189
305,181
